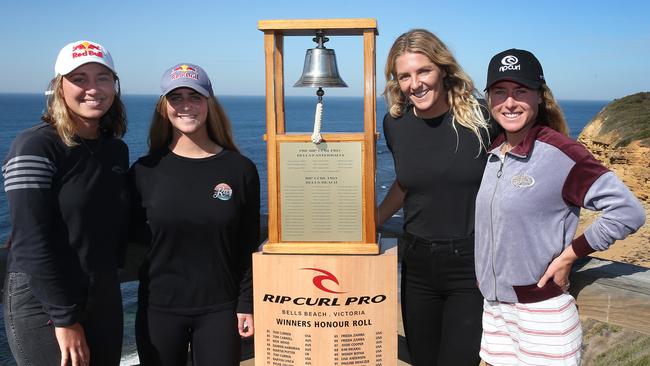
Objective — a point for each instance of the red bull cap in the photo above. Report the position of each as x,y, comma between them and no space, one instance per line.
186,75
80,53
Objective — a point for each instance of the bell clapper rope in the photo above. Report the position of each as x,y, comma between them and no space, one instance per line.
316,137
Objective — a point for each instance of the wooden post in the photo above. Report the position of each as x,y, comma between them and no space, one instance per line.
370,128
271,129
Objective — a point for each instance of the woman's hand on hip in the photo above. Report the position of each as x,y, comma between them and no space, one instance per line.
72,342
559,269
245,324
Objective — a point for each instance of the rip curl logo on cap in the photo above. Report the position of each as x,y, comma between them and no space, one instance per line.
222,191
184,71
522,181
509,63
87,49
326,276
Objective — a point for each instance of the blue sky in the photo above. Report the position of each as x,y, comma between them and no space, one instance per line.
594,50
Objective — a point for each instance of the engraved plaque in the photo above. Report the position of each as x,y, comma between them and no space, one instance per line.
321,191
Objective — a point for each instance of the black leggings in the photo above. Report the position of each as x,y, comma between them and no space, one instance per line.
441,304
163,338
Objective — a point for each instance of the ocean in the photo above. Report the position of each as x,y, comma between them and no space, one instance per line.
247,114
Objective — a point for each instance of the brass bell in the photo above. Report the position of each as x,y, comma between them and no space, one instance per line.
320,69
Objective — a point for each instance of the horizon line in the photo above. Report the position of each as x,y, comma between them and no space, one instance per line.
308,96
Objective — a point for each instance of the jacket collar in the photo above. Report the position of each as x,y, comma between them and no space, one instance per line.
524,147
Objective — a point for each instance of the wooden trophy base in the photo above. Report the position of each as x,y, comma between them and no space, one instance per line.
325,309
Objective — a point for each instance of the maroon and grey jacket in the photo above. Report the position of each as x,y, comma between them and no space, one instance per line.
527,212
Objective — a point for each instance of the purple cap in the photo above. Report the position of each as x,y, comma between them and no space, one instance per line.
186,76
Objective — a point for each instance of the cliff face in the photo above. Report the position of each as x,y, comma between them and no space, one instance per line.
622,122
619,136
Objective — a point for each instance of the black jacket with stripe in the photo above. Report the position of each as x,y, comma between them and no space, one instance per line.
69,209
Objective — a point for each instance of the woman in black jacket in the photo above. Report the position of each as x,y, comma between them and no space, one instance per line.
199,199
66,181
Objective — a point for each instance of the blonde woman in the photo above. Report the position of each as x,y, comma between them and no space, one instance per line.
66,184
437,133
199,200
527,211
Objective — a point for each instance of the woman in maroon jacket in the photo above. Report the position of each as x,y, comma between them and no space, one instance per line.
527,211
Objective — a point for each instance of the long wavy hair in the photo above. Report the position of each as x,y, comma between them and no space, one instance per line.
549,112
461,93
57,113
217,121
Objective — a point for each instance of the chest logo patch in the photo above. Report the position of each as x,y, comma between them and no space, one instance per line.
522,181
222,191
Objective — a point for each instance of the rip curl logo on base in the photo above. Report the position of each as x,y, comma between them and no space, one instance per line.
509,63
522,181
184,71
222,191
87,49
318,280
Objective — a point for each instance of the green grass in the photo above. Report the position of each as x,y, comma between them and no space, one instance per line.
636,353
602,329
629,118
606,344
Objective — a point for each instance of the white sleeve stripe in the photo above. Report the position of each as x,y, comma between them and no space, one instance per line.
32,158
29,157
23,186
27,179
14,166
42,173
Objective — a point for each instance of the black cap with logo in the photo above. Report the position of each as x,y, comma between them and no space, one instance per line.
519,66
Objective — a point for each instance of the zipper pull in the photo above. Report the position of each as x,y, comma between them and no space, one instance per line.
500,172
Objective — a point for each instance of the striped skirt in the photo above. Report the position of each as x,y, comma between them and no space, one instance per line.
542,333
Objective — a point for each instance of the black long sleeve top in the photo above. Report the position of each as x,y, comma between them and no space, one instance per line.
69,212
440,165
202,218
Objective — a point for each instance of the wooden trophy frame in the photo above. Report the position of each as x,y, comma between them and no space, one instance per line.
278,139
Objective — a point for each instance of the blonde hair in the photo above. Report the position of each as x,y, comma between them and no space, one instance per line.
57,113
461,94
549,112
218,126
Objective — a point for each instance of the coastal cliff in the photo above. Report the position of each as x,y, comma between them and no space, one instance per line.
619,136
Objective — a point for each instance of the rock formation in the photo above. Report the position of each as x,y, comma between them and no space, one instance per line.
619,136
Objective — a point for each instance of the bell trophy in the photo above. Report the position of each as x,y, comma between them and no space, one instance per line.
324,286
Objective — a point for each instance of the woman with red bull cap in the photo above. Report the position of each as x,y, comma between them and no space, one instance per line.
63,179
527,211
196,199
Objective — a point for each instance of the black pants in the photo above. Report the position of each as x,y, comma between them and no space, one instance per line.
163,338
31,335
441,304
